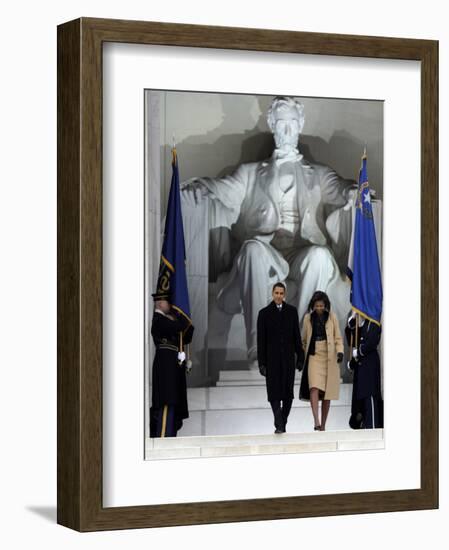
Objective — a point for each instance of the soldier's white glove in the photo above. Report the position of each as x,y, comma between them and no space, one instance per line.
181,356
355,353
351,318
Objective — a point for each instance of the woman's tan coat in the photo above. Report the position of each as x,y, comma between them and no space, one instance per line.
334,346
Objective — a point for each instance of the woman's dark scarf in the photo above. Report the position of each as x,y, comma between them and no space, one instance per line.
316,321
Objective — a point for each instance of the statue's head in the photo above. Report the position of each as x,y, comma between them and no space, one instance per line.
285,119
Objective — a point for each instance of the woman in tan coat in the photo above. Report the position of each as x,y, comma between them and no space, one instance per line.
323,346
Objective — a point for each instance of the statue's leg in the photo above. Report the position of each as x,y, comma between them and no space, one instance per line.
314,268
258,267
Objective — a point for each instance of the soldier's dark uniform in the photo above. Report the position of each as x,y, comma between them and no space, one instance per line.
367,404
169,396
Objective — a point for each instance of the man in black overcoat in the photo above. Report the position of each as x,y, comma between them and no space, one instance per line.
367,403
278,340
169,396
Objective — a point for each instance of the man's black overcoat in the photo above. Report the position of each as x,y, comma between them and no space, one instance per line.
169,378
278,339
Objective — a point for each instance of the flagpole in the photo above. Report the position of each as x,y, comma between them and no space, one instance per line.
180,344
173,258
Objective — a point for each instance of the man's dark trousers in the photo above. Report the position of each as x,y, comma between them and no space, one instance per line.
281,412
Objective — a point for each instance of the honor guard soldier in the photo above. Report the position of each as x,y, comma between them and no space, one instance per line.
363,338
171,331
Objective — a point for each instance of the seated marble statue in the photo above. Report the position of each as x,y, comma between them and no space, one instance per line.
268,223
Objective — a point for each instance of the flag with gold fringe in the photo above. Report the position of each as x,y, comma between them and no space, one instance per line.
363,266
172,278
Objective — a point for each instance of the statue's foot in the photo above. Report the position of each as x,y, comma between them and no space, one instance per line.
253,366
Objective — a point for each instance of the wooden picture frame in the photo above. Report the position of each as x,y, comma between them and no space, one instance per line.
80,352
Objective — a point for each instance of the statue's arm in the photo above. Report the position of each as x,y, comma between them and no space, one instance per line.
229,190
336,191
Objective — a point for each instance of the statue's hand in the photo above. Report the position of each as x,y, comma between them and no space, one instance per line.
193,191
352,197
188,184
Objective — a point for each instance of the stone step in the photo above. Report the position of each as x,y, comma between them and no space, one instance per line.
242,375
266,439
247,397
241,382
243,445
258,421
245,378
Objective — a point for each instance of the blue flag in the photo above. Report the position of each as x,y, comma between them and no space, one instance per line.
172,279
364,268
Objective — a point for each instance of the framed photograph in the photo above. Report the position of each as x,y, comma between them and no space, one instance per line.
226,137
127,90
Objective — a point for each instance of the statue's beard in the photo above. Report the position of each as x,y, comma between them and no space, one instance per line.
286,144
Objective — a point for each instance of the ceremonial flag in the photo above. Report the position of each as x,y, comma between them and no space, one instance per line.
172,279
364,268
